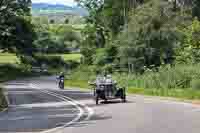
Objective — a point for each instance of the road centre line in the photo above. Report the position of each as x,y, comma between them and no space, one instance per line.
72,102
67,124
89,110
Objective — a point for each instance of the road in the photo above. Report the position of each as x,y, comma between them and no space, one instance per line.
37,105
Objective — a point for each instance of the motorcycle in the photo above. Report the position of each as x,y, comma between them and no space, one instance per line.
61,83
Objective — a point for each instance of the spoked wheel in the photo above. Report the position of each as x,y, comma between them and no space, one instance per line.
97,99
123,97
61,86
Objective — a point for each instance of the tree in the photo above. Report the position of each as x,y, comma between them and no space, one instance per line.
196,9
66,21
189,51
52,21
150,38
16,30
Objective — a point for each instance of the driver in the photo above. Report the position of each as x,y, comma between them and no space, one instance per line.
110,84
99,81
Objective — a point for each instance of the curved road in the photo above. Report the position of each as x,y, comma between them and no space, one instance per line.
37,105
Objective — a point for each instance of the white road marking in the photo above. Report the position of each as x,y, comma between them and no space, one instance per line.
90,110
72,102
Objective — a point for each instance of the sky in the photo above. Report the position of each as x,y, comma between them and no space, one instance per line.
65,2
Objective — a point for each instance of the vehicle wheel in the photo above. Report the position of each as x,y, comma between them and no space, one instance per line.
97,100
61,86
124,96
124,99
94,92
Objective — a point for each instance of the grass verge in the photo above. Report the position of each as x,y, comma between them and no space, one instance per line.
8,58
185,94
77,83
67,57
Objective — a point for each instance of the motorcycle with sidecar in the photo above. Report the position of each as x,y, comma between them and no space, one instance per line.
108,91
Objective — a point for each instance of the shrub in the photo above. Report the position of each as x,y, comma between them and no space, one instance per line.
53,61
167,77
195,84
71,64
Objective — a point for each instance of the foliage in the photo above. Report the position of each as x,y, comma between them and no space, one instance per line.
196,9
189,51
16,31
167,77
88,55
53,38
11,72
150,38
6,58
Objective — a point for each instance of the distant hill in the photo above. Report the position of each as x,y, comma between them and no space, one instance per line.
44,8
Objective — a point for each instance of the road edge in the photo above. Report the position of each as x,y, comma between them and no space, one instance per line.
169,99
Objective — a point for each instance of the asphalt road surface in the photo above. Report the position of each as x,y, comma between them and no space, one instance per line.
37,105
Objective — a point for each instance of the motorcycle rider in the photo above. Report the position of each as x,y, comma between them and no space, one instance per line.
61,77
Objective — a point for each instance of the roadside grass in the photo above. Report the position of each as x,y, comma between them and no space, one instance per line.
73,57
7,58
68,57
77,83
3,102
185,94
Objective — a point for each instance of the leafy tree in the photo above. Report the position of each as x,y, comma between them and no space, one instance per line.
150,38
189,51
16,30
56,38
52,21
66,21
196,9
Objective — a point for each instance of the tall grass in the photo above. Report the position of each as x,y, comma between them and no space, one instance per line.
180,81
167,77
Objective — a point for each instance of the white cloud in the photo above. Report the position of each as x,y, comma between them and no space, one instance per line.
65,2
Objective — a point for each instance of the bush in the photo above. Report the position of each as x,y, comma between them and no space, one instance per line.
108,68
88,55
167,77
71,64
53,61
195,84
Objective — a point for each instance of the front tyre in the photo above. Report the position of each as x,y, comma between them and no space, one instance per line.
97,99
123,97
61,85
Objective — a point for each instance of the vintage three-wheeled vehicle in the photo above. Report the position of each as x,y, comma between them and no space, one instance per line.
108,91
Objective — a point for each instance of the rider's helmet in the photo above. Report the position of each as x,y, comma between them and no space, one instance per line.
61,73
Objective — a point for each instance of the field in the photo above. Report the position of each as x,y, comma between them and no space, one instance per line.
6,58
67,57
